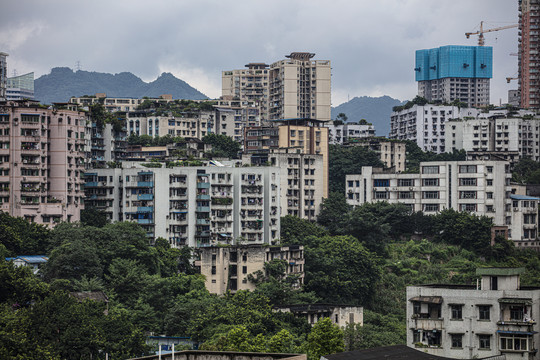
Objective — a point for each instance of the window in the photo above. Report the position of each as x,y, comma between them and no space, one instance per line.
484,342
431,207
467,182
467,169
483,312
430,169
456,311
406,195
517,312
406,182
514,342
430,194
381,183
467,207
244,269
430,182
213,270
381,195
457,340
489,195
489,169
467,194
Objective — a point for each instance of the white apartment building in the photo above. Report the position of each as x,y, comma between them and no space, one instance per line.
426,125
195,124
499,317
501,135
344,133
194,206
227,268
479,187
297,87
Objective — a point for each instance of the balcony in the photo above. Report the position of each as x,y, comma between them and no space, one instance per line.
203,197
203,185
203,222
145,184
145,221
203,209
145,197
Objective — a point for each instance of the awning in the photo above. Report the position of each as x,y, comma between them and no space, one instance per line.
515,301
428,299
517,332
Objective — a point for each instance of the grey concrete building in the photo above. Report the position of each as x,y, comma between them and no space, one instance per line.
497,316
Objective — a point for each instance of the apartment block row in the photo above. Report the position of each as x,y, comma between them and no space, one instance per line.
479,187
496,317
510,138
43,155
426,125
348,132
296,87
194,206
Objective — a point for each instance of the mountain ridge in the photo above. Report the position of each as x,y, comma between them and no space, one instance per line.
62,83
376,110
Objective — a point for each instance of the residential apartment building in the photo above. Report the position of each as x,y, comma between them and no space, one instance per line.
193,124
107,144
451,73
392,153
227,268
479,187
426,125
248,85
528,56
42,162
114,104
340,315
499,317
3,75
511,138
246,114
297,87
198,206
20,87
348,132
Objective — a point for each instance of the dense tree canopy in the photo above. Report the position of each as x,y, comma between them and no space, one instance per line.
222,146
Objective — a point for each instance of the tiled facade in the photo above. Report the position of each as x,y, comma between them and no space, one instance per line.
42,153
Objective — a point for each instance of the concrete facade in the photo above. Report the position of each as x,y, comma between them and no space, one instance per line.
227,268
340,134
426,125
3,75
479,187
499,317
194,206
528,60
341,315
42,162
392,153
497,134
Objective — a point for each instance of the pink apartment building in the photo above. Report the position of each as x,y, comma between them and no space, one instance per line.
41,161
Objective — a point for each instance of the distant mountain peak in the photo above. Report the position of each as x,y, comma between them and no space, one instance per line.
63,83
375,110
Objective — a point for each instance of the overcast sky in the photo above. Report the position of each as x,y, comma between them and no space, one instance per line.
371,43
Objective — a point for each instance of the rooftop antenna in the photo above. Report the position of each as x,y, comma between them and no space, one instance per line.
78,66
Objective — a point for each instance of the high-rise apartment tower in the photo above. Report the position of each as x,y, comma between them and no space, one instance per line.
529,59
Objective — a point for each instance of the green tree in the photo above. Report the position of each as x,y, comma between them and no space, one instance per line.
334,212
223,145
295,230
526,171
94,217
19,286
20,237
324,339
340,269
72,260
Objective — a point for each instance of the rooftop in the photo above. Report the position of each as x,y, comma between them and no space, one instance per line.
494,271
396,352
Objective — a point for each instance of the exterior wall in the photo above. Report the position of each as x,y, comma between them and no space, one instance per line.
249,84
43,161
114,104
227,268
469,326
20,87
339,134
426,125
301,185
525,221
206,205
300,88
341,315
484,189
497,134
392,153
513,98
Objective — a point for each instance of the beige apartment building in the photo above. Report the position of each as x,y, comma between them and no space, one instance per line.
228,268
42,162
297,87
392,153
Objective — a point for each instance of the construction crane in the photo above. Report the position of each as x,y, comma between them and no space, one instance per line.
481,32
508,79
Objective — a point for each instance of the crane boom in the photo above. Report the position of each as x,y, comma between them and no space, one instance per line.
481,32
